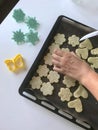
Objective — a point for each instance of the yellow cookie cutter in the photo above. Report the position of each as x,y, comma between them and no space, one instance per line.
15,63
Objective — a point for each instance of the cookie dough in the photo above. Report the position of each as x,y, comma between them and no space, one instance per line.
65,94
59,38
68,81
36,82
81,91
93,61
86,44
47,89
48,59
82,52
76,104
94,51
53,76
53,47
73,40
42,70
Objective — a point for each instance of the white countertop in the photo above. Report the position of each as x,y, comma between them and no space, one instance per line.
16,112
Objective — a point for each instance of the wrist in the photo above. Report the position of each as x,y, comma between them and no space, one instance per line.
85,79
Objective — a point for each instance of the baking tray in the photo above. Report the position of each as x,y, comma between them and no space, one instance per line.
88,119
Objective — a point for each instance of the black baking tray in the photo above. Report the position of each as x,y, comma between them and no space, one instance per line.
5,7
88,119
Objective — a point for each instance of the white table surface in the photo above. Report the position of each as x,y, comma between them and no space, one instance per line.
16,112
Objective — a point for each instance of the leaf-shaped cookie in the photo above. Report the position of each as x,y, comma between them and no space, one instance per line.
82,52
81,91
86,44
76,104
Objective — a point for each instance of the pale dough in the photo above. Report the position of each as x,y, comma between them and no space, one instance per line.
93,61
53,76
86,44
59,38
36,82
82,52
81,91
53,47
76,104
42,70
48,59
73,40
65,94
94,51
68,81
47,89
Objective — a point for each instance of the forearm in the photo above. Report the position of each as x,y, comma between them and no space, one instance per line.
90,81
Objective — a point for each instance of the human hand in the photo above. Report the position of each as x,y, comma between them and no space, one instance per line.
70,64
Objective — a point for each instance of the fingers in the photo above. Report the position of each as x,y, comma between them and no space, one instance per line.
58,52
58,69
56,62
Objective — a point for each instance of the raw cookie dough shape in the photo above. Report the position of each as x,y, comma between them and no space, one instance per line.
65,49
53,76
36,82
82,52
73,40
93,61
53,47
59,38
32,37
19,37
32,23
65,94
42,70
76,104
48,59
19,15
47,89
86,44
81,91
68,81
94,51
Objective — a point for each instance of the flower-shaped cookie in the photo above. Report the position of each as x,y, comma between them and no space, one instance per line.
65,94
48,59
68,81
59,38
36,82
47,89
76,104
42,70
53,76
53,47
73,40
